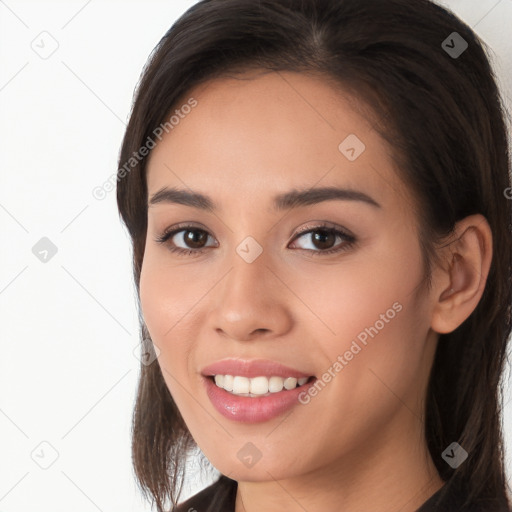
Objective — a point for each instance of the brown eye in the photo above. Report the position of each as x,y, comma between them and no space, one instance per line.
323,240
185,240
195,238
191,240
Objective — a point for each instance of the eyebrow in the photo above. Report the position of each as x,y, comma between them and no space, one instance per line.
283,201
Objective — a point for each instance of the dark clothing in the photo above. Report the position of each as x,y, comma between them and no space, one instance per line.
221,496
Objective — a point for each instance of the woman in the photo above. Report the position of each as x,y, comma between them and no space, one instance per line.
316,192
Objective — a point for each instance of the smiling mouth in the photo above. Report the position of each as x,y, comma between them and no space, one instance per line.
257,386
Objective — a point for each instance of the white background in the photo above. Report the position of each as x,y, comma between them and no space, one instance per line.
69,326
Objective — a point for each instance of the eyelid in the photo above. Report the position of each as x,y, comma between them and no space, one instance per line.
181,226
312,226
348,239
319,224
177,228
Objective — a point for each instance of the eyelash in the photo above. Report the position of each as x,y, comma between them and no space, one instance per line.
349,240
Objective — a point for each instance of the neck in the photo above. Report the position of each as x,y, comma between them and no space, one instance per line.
399,474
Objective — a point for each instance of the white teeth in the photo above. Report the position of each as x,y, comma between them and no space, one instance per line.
240,385
275,384
257,386
290,383
228,382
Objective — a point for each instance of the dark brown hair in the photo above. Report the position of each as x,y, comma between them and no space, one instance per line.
444,120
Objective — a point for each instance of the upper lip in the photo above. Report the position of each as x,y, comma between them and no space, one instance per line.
251,368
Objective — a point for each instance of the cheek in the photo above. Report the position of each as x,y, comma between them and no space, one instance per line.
345,299
167,300
372,365
169,295
172,299
367,311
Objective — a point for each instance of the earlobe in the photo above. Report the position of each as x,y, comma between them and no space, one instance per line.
459,286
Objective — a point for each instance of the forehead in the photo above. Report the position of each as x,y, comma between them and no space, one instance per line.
276,131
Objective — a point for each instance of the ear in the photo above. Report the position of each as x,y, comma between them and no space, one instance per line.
459,285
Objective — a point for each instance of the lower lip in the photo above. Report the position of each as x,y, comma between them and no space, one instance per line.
246,409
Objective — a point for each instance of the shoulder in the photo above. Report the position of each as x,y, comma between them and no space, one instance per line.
454,497
219,497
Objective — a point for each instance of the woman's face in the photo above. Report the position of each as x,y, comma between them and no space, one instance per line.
342,308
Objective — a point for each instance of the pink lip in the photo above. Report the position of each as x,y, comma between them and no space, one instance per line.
248,409
252,368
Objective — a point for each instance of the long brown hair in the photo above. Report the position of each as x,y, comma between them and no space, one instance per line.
444,119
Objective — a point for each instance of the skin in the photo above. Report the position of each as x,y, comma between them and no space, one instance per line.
359,444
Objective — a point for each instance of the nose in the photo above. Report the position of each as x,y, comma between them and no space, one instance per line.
251,302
